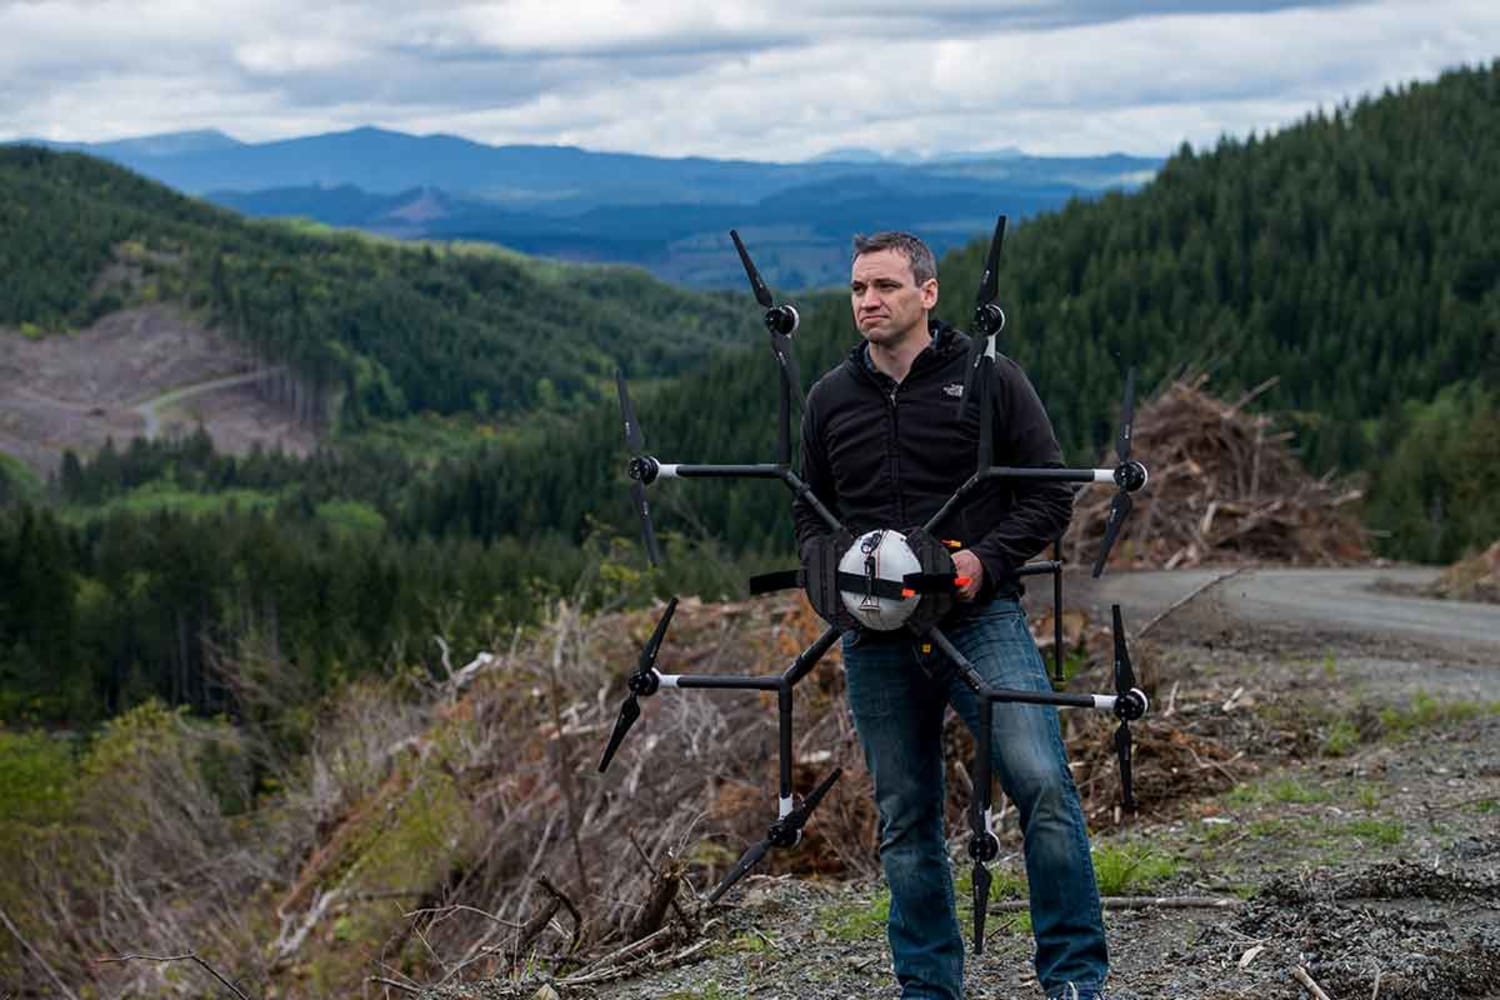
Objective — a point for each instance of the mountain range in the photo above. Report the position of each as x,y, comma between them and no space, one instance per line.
670,216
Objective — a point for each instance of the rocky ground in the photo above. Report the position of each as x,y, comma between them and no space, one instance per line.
1321,811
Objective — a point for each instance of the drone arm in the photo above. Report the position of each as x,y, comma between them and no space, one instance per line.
805,497
813,506
800,667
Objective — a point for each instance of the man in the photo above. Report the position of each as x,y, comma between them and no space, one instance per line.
886,439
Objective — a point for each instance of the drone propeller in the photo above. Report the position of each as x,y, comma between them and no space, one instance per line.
988,317
785,832
984,847
1130,704
781,321
1130,476
642,683
989,320
635,440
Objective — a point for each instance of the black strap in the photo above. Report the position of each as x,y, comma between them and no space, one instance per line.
854,583
766,583
908,586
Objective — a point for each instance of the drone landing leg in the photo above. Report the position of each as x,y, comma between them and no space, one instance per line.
984,846
786,831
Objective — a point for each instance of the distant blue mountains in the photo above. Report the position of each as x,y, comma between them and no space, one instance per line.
670,216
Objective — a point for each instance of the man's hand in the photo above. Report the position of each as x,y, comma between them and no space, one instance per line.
967,564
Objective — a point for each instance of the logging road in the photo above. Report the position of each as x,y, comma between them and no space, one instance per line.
1372,601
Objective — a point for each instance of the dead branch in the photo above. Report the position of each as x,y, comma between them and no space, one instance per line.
51,973
441,912
1138,903
391,982
533,928
1217,579
1301,975
567,903
185,957
619,955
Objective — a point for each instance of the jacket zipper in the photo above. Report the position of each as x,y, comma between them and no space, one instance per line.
895,453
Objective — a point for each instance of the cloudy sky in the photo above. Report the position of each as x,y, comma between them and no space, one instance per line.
762,79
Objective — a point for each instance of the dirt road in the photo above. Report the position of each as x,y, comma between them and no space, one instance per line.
1372,601
150,410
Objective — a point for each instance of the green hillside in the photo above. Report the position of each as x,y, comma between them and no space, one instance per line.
1348,256
376,329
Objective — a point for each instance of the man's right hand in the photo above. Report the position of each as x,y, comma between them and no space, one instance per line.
968,567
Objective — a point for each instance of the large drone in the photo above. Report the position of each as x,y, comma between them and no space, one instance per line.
887,580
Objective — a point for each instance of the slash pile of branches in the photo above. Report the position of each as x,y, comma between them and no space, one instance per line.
1476,578
1224,488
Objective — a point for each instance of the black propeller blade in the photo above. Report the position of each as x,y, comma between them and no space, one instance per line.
1129,476
984,847
781,321
741,868
629,712
1119,509
635,440
1127,419
757,286
982,879
1124,673
1130,705
988,317
1122,750
642,683
785,832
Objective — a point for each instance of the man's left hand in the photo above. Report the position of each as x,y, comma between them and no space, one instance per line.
966,564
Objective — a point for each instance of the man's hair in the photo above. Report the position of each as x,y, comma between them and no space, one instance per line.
917,253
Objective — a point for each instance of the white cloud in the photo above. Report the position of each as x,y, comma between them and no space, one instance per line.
768,80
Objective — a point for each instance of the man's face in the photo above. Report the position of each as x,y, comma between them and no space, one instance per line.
889,305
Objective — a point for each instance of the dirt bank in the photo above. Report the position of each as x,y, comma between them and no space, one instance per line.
1335,816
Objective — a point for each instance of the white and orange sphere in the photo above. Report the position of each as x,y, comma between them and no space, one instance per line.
883,555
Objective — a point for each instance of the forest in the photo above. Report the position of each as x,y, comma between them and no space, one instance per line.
1348,257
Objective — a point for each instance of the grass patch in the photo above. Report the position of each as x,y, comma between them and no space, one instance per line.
1341,738
1426,711
1270,828
1131,868
856,921
750,943
1005,883
1280,791
1369,796
1387,832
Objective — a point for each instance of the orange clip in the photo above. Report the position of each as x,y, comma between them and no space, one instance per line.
962,581
908,592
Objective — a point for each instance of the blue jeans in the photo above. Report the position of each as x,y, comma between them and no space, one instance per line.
898,711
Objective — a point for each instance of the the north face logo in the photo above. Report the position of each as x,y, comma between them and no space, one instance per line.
955,390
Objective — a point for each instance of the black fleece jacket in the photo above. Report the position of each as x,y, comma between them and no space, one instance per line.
882,454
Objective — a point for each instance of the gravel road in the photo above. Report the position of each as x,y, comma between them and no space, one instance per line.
1373,601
